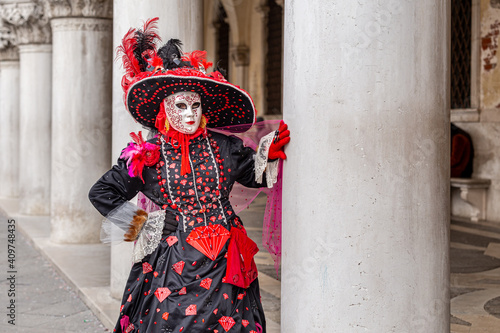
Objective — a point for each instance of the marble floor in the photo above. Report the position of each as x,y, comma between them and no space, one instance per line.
475,276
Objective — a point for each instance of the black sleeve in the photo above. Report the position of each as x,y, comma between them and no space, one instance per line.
114,188
244,163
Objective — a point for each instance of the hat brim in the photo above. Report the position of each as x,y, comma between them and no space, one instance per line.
224,104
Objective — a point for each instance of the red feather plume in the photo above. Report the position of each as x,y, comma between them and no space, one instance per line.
196,58
126,51
150,27
156,61
137,49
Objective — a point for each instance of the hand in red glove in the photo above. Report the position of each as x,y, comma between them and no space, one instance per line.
281,138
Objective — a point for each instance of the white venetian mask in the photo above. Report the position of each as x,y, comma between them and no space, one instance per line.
183,110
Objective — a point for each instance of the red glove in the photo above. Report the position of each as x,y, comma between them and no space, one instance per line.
281,138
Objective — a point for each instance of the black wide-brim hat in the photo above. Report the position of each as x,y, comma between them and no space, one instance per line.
223,104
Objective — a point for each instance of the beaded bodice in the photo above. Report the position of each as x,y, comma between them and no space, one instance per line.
201,196
197,198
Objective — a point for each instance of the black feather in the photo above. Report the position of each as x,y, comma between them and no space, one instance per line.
146,41
220,69
170,53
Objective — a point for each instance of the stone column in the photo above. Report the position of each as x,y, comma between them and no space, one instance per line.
9,115
81,113
366,183
32,32
178,19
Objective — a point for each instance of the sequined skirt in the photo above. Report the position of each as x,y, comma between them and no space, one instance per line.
177,288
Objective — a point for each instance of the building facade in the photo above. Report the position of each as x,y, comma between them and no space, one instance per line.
365,89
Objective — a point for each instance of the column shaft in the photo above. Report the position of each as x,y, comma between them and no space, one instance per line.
178,19
81,123
9,128
366,196
35,109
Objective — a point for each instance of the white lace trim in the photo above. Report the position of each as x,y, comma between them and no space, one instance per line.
263,165
272,173
149,236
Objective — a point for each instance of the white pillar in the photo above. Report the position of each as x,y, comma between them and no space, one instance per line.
35,118
26,20
9,128
178,19
366,196
81,116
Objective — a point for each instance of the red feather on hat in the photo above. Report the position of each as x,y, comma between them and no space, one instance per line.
137,44
126,51
196,58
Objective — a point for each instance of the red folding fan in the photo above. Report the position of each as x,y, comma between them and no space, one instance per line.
209,239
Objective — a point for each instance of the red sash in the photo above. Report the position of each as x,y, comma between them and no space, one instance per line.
241,269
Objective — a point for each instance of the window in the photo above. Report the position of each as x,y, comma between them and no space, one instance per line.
461,54
222,40
274,51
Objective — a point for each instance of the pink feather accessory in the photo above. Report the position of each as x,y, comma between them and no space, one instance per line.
140,153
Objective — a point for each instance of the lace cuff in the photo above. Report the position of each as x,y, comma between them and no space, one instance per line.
149,236
262,164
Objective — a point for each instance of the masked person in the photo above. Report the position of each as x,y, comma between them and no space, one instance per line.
193,262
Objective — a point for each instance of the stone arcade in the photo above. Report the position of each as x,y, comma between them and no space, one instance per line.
365,93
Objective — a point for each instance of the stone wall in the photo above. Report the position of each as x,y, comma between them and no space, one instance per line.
485,128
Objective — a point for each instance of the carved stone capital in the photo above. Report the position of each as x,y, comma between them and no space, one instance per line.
11,53
27,20
19,12
7,37
8,48
241,55
79,8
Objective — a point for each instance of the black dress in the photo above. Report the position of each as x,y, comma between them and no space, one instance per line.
177,288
